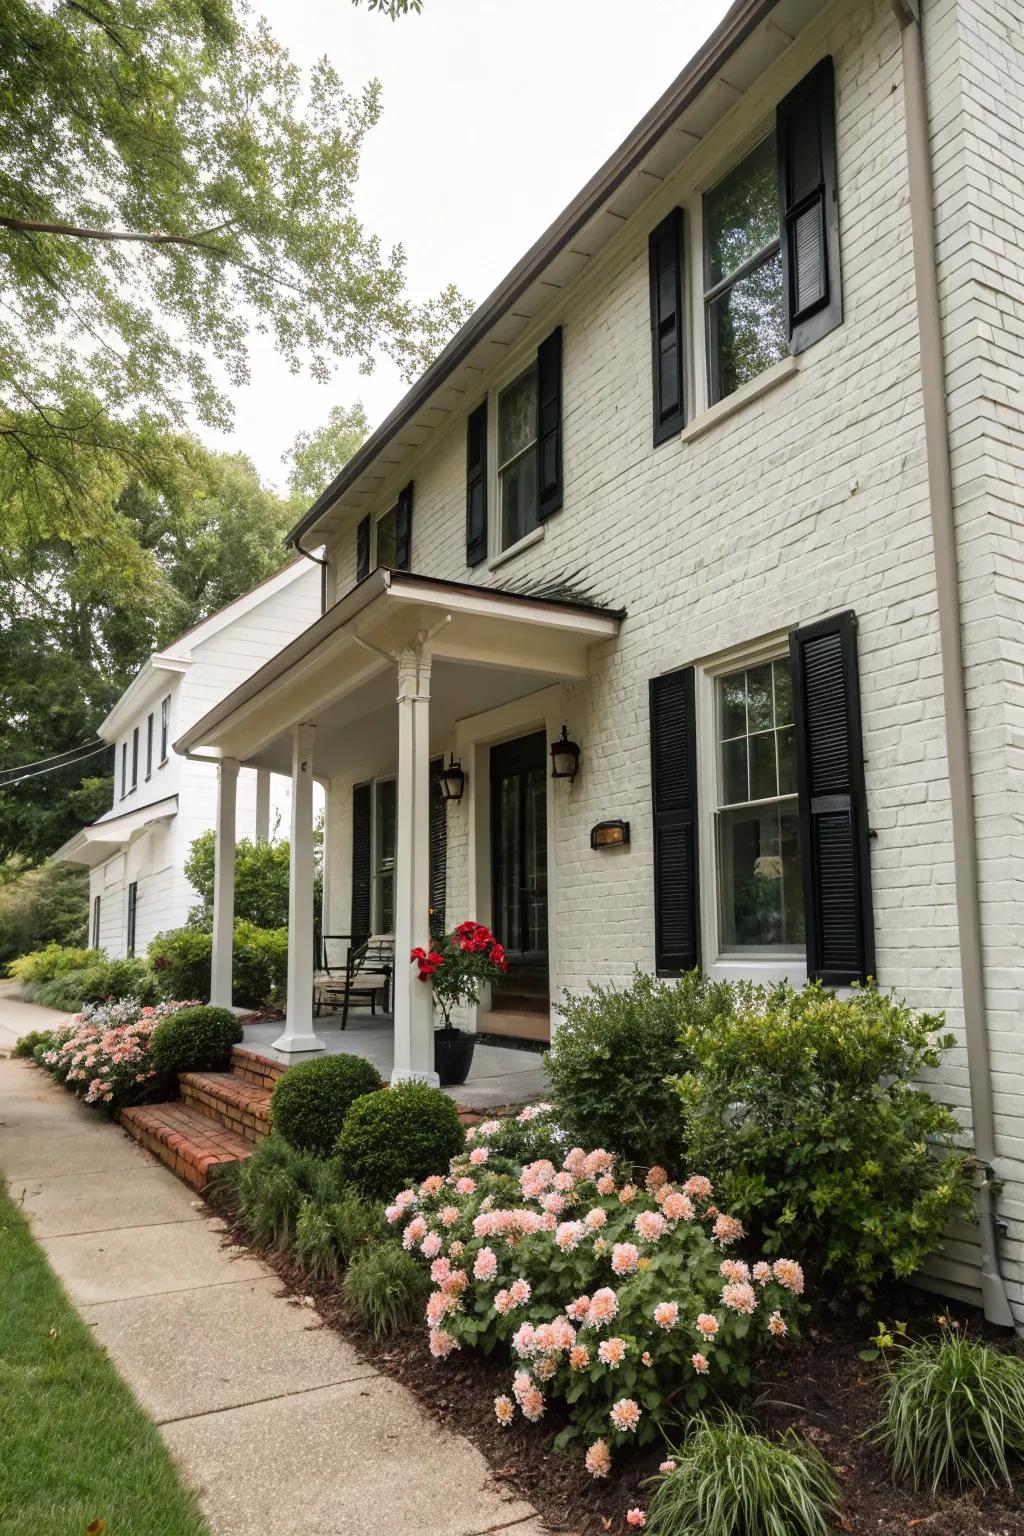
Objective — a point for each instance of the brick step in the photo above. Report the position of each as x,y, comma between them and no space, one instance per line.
236,1103
256,1069
188,1142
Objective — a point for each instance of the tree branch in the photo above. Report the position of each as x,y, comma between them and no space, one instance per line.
77,232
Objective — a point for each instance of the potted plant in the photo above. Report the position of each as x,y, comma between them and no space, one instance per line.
455,967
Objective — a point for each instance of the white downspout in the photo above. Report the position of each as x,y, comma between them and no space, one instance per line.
947,586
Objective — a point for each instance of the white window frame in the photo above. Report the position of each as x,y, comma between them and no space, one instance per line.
165,729
729,966
525,359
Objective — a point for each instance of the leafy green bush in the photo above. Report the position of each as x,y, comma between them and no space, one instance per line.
953,1413
803,1108
48,904
36,1040
612,1057
181,962
102,981
44,964
275,1183
405,1132
312,1099
316,1251
525,1136
194,1040
261,881
730,1481
384,1288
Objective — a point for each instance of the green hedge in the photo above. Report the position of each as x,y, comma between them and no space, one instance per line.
402,1134
195,1040
181,962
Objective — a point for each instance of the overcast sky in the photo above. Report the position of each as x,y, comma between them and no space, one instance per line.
495,112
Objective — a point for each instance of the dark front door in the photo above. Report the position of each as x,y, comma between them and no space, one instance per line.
519,866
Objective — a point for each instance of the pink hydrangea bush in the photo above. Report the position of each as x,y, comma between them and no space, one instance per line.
625,1300
103,1054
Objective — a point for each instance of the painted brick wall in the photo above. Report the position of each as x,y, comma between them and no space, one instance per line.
810,499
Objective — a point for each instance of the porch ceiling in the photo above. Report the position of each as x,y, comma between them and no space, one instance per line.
489,647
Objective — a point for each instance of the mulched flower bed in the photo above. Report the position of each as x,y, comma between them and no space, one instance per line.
820,1387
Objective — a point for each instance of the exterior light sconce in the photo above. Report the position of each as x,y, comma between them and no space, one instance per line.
453,780
609,834
565,757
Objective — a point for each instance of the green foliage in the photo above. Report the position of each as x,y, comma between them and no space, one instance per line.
524,1136
403,1133
611,1060
731,1481
48,905
181,963
194,1040
953,1413
261,880
275,1183
384,1289
316,457
44,964
311,1100
37,1039
804,1109
316,1251
71,978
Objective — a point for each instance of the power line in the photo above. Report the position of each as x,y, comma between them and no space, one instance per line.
57,759
39,772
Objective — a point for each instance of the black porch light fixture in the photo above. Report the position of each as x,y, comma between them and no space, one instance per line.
565,757
453,780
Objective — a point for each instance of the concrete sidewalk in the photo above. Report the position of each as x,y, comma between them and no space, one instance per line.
278,1422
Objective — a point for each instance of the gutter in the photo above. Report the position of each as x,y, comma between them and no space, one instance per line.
947,587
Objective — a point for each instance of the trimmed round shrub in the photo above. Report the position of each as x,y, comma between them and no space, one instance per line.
405,1133
195,1040
312,1099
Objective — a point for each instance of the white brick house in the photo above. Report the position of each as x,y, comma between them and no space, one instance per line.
811,512
136,852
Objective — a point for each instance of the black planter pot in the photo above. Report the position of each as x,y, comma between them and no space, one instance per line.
453,1055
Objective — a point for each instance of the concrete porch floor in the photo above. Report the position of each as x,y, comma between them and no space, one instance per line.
499,1074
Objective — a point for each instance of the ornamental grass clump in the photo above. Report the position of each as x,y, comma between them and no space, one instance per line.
727,1480
807,1111
274,1185
953,1413
384,1289
625,1300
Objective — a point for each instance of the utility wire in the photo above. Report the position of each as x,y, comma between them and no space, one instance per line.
38,772
57,759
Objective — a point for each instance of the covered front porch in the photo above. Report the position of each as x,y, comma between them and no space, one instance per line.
400,671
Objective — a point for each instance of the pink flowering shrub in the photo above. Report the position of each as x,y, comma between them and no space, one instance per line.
624,1301
103,1056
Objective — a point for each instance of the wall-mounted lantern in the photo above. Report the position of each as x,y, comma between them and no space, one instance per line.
565,757
609,834
453,780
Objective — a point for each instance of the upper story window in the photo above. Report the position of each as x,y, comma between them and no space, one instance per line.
124,769
149,745
386,538
135,757
760,885
517,459
165,727
383,552
743,300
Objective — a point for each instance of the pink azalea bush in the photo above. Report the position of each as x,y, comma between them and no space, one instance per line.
625,1300
103,1055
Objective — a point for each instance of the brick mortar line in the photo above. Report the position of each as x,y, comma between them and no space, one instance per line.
274,1397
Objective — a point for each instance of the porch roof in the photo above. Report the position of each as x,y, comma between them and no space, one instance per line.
493,645
113,831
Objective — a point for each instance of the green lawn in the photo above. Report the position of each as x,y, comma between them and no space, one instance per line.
74,1446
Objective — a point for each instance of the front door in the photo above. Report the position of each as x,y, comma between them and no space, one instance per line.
519,868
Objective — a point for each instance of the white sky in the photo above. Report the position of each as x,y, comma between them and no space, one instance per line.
495,113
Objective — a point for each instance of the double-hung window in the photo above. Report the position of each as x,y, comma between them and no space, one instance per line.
384,539
517,459
165,727
149,745
133,906
384,808
135,757
124,769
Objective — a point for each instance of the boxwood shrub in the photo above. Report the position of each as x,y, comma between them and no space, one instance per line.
312,1099
195,1040
403,1134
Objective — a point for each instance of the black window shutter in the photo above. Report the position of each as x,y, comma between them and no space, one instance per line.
476,485
403,529
359,923
809,208
549,425
665,256
674,789
833,806
438,848
363,549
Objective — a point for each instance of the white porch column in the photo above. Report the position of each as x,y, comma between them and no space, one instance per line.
263,805
224,883
414,1022
298,1025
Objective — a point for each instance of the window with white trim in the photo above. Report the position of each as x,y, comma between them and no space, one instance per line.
384,550
757,817
384,824
165,727
518,501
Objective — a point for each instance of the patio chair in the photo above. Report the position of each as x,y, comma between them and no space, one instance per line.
364,974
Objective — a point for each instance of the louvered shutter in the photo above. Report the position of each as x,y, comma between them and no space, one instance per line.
438,848
833,806
403,529
476,485
809,208
360,921
549,425
665,257
674,789
363,549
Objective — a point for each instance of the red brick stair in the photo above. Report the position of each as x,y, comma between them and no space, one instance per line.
219,1118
